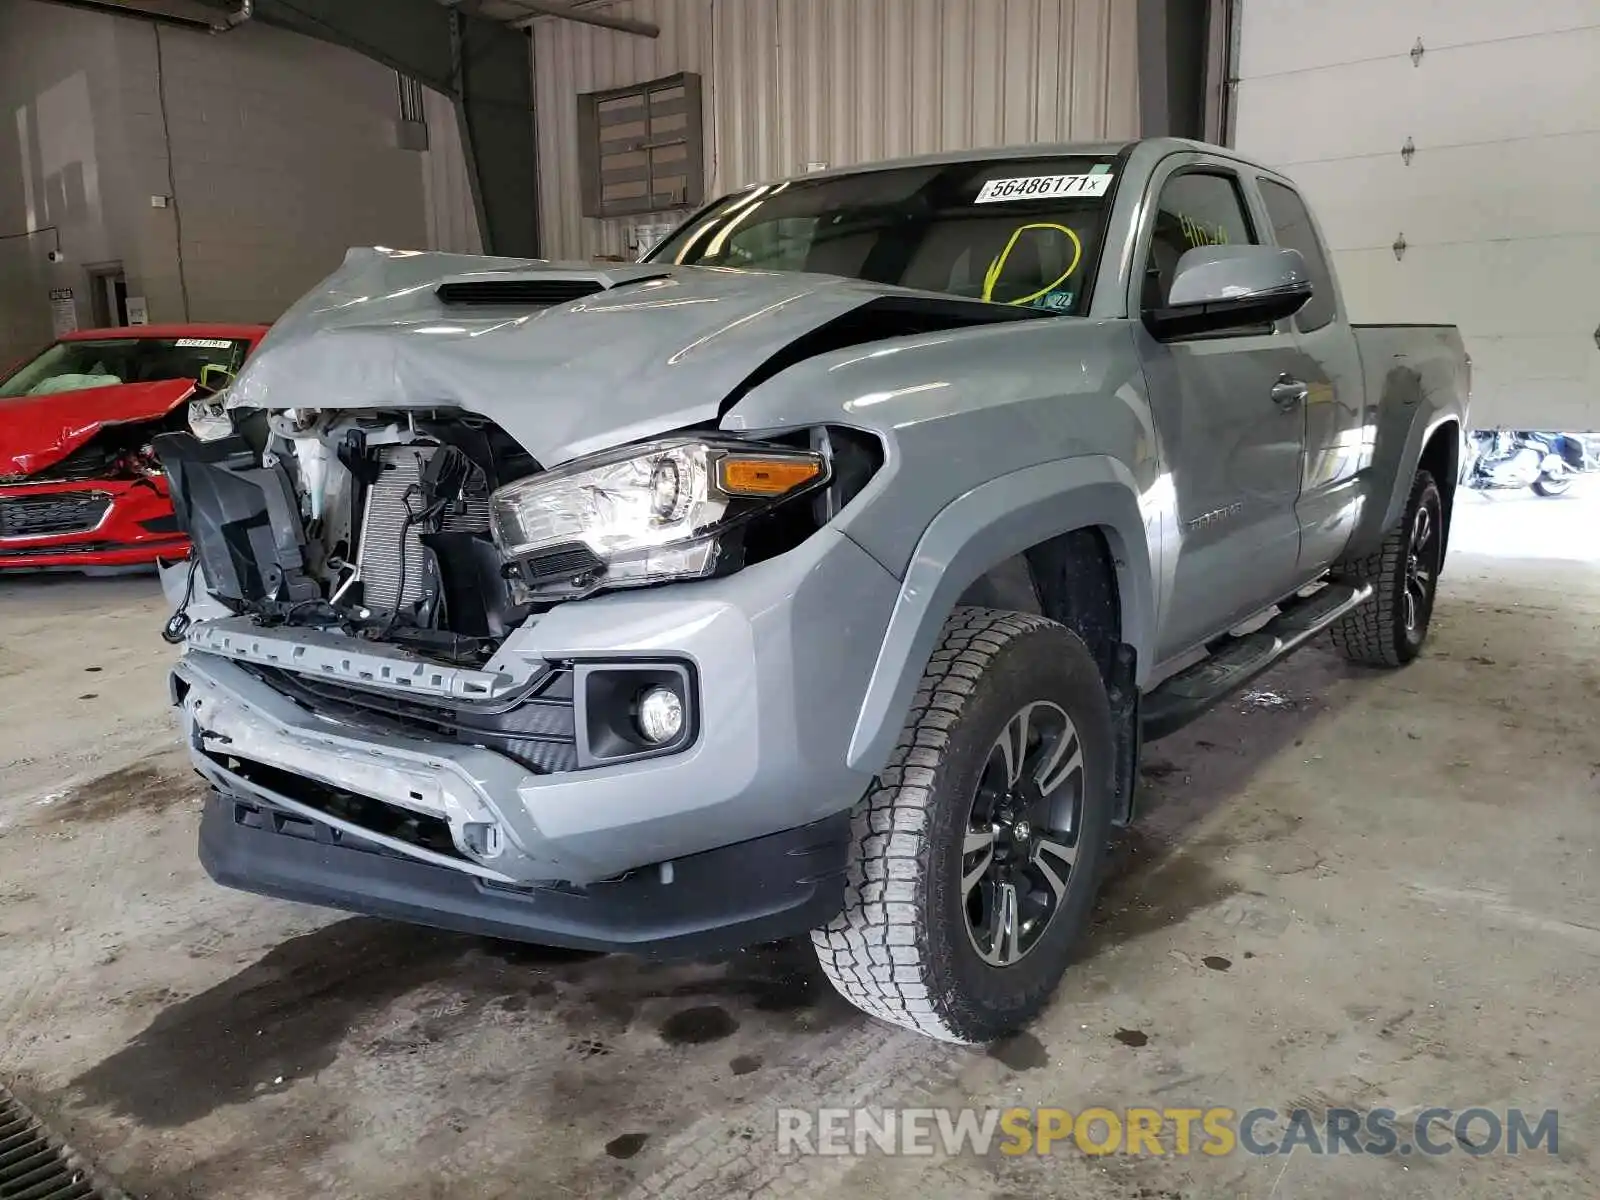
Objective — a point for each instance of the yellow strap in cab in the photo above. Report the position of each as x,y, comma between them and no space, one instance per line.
992,275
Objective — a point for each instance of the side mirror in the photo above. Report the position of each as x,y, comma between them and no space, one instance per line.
214,377
1222,287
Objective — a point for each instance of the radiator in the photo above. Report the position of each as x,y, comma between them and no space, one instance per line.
393,577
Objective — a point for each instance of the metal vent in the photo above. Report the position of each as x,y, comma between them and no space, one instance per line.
518,293
393,578
641,149
562,562
34,1165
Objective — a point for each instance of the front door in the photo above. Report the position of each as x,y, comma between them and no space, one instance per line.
1233,448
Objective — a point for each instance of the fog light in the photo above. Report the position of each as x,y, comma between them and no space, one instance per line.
660,715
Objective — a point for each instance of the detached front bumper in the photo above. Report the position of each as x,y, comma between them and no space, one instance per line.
780,655
89,524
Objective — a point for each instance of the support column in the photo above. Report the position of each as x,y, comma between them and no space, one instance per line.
494,108
485,68
1173,51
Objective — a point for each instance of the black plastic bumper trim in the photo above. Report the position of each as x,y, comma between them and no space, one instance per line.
719,901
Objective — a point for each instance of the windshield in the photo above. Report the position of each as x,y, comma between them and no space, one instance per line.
1014,231
104,362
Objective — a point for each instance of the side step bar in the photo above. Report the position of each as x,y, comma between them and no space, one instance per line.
1234,661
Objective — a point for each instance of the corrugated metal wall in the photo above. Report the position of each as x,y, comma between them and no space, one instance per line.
792,82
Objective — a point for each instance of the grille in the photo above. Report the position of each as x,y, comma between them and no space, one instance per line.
395,578
367,812
36,1165
36,515
96,460
538,729
53,551
531,293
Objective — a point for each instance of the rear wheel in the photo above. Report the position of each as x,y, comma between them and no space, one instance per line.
1388,630
976,851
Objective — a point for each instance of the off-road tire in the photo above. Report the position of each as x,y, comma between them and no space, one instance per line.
901,949
1375,634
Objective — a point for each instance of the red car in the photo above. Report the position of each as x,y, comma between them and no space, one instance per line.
79,488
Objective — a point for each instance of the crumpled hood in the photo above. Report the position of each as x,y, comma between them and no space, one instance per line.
657,350
39,431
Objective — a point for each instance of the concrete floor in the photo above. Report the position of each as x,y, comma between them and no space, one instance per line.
1349,888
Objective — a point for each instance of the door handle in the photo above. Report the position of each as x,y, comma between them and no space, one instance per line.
1288,392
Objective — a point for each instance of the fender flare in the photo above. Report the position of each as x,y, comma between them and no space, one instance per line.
1396,460
985,526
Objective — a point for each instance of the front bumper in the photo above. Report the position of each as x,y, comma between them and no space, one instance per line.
713,903
782,653
128,522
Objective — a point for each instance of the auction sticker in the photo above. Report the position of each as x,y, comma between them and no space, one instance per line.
1043,187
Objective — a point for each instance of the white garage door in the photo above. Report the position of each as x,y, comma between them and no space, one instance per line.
1495,223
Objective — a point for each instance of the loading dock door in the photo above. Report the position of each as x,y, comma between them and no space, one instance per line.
1452,151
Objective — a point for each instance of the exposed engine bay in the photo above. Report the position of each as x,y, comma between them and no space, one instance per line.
437,532
375,525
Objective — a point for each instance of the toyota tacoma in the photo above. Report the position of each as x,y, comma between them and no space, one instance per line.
820,575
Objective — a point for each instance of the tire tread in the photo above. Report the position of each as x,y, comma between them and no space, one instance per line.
1368,634
875,952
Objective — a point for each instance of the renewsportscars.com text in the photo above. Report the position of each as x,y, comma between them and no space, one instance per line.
1181,1132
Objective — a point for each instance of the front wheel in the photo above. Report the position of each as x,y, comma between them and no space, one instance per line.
1554,482
977,849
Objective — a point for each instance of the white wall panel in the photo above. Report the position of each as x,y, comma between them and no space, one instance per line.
282,156
1499,207
792,82
57,66
1286,36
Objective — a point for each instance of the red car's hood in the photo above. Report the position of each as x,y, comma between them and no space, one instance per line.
39,431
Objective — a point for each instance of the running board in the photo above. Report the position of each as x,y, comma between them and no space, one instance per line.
1234,661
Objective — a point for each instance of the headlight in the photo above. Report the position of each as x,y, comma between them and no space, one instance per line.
647,513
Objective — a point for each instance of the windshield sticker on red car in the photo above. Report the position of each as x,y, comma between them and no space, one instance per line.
205,343
1044,187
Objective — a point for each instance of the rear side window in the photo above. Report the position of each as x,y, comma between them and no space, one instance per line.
1291,227
1195,209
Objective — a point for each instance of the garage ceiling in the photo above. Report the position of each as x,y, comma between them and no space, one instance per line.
211,13
176,12
588,12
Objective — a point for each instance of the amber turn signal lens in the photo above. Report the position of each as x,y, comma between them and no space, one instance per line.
765,476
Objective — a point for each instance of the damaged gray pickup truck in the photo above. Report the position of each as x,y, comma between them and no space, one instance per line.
819,575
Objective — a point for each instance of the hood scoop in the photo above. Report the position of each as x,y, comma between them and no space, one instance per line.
535,289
